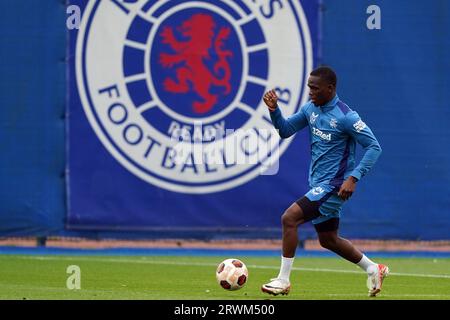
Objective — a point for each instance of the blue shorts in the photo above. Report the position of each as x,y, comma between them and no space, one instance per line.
327,202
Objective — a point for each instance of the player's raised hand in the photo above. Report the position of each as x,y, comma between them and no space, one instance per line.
270,99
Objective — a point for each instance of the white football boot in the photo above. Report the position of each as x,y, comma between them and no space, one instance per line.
375,279
277,286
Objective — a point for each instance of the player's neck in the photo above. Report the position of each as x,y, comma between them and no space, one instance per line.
330,102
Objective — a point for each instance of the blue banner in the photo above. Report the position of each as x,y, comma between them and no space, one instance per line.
396,77
32,113
167,127
148,117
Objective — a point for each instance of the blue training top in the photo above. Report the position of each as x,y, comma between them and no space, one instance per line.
334,131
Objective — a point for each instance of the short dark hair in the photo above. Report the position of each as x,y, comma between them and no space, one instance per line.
325,73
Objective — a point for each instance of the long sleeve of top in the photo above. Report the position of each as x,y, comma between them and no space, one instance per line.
359,131
287,127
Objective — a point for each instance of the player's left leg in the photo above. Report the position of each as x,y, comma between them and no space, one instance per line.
327,232
328,237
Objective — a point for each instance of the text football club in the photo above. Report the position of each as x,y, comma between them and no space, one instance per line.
173,89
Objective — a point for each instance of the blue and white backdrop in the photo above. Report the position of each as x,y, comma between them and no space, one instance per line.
147,120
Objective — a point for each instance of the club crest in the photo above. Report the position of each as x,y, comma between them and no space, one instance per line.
173,89
333,123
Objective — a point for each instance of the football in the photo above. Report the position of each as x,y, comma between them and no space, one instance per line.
232,274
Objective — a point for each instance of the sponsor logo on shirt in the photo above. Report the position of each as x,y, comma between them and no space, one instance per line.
313,117
359,125
322,135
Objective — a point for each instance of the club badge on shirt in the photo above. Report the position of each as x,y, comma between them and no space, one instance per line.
333,123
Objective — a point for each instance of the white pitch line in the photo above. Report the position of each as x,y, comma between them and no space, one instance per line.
145,261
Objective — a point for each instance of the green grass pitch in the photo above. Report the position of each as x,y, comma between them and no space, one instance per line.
193,277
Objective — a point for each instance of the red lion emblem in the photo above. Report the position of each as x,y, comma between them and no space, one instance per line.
192,53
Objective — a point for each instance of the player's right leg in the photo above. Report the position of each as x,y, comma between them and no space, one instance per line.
299,212
375,279
290,220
